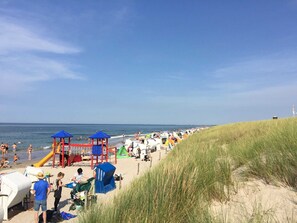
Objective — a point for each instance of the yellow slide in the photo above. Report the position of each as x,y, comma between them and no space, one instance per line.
44,159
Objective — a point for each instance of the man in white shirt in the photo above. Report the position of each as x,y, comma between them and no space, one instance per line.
77,178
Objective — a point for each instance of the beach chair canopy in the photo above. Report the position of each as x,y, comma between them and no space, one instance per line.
99,135
14,187
104,181
62,134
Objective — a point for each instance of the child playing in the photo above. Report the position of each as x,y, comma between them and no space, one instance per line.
58,191
29,151
15,158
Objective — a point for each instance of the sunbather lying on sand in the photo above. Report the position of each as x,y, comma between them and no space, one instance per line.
4,163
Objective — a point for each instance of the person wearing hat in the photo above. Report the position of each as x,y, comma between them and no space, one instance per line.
41,190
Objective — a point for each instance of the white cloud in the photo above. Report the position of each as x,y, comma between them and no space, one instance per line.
256,74
14,37
23,60
178,77
267,83
20,71
269,96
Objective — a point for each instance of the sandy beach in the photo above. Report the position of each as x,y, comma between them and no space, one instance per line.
249,200
127,167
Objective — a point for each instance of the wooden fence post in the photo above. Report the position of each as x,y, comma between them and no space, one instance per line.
120,181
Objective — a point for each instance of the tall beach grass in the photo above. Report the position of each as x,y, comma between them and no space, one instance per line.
201,170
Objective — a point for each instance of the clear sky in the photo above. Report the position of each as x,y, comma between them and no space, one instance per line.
166,62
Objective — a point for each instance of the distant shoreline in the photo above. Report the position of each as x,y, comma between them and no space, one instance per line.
44,123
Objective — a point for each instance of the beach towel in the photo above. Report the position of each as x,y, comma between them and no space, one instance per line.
67,216
69,185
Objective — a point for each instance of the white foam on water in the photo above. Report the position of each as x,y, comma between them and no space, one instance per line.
121,136
46,147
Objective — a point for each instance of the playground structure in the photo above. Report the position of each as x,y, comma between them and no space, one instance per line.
101,147
70,153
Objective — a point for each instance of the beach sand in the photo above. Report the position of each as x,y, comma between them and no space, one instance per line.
252,199
127,167
256,201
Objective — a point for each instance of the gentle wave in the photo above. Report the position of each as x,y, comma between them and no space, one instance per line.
120,136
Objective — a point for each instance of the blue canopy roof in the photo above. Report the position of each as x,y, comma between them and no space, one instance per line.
106,167
62,134
99,135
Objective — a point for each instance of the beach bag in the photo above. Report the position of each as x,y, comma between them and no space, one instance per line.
76,203
118,177
51,217
67,216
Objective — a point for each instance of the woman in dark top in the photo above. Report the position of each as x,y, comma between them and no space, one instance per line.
58,191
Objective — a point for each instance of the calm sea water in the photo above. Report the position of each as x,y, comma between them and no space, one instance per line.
39,135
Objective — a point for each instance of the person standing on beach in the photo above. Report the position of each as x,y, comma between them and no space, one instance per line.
6,146
58,191
15,158
41,190
29,151
2,150
14,146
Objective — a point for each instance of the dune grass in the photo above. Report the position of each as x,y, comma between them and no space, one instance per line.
200,170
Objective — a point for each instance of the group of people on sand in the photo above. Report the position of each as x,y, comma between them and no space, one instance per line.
4,149
4,152
42,189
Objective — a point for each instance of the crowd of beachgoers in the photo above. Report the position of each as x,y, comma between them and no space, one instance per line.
140,142
142,147
5,154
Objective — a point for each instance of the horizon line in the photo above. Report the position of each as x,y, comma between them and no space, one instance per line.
57,123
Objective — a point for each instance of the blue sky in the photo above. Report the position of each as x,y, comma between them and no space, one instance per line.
166,62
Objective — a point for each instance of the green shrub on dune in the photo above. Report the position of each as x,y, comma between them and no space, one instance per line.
202,169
